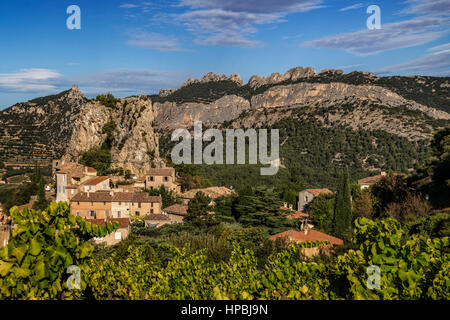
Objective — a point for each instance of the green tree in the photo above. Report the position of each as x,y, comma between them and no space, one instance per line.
41,202
321,212
199,213
97,157
342,220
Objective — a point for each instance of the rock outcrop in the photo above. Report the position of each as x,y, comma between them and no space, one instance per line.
293,74
135,145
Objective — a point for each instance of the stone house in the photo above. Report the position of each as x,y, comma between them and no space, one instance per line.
157,220
307,235
367,182
155,178
115,237
114,205
305,197
69,178
212,192
176,212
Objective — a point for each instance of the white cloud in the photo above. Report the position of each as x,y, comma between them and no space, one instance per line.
440,47
129,6
154,41
432,63
437,7
30,80
230,22
352,7
396,35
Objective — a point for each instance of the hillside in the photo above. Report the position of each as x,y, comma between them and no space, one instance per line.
366,122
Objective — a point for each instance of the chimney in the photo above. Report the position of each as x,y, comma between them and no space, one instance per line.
290,206
285,204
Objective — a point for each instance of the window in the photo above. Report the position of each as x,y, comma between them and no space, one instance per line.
107,214
151,211
104,187
64,189
151,178
59,189
166,179
138,213
118,214
104,203
78,213
78,203
151,204
120,203
92,203
139,205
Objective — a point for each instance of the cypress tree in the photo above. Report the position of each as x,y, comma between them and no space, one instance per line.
342,220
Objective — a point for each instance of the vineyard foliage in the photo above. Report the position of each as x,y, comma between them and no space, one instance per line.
45,243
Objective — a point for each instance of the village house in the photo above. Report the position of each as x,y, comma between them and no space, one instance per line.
176,213
70,178
110,204
308,235
212,192
115,237
367,182
155,178
289,213
305,197
157,220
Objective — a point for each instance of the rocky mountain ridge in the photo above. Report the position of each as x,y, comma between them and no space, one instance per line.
68,124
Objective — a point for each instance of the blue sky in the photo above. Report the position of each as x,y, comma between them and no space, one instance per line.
130,47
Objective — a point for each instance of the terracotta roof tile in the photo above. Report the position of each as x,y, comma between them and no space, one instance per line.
316,192
371,180
94,181
312,235
178,209
214,192
161,172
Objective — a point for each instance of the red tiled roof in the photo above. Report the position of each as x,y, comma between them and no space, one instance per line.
371,180
214,192
94,181
312,235
178,209
161,172
316,192
293,214
90,169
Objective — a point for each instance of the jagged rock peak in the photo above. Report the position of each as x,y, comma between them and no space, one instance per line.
332,71
211,77
292,74
189,81
165,93
75,88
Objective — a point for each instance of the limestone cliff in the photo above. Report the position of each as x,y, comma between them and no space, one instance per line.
135,144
